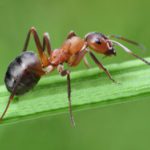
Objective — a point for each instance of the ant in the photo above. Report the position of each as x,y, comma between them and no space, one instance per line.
25,70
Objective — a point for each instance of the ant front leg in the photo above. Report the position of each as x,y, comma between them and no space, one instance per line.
75,59
67,73
80,54
100,65
42,55
86,63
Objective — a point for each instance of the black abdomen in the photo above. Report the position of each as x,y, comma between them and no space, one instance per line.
21,70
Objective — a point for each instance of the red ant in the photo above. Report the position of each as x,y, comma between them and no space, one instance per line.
25,70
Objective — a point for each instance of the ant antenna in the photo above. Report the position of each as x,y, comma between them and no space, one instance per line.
141,46
129,51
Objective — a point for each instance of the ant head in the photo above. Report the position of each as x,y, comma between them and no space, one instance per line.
100,43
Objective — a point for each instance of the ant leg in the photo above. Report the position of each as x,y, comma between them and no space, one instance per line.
67,73
11,97
71,34
42,55
127,40
75,59
86,62
46,42
100,65
7,106
41,71
33,31
37,71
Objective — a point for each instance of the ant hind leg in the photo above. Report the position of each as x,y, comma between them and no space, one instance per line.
7,106
40,48
11,97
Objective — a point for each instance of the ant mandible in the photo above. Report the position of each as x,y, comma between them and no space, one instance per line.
25,71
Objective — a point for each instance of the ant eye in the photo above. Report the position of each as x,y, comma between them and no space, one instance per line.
97,41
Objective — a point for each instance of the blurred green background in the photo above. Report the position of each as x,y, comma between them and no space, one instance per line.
124,126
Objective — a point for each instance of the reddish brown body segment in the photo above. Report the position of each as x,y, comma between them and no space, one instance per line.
22,74
69,52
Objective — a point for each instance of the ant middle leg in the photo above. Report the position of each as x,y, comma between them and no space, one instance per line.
67,73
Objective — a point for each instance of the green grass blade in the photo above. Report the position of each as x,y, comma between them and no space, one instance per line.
90,88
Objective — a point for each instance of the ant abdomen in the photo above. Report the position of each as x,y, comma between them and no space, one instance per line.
20,70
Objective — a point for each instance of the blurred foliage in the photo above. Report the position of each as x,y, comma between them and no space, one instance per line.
112,128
